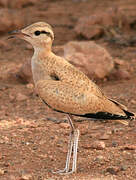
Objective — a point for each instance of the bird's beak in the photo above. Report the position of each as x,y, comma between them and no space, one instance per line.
16,33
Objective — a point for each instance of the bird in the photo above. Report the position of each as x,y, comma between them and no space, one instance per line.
65,89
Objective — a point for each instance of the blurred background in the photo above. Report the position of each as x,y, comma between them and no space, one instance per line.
99,38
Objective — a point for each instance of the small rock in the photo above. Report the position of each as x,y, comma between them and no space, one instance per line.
21,97
119,61
95,25
116,130
26,177
99,145
21,3
30,86
122,74
133,101
2,171
104,137
99,158
64,125
3,87
54,119
83,128
123,168
112,170
114,144
16,3
90,58
128,147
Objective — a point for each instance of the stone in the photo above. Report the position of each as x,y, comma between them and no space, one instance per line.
98,145
30,86
128,147
119,61
64,125
123,167
123,74
2,171
26,177
21,97
95,25
90,58
21,3
99,158
114,144
112,170
9,20
119,74
16,3
104,137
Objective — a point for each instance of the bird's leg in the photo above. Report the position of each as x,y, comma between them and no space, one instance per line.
72,147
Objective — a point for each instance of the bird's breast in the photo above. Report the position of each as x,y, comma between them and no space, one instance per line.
39,71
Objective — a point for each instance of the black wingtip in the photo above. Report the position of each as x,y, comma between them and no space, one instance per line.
109,116
129,114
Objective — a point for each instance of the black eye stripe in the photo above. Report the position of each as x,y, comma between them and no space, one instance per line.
44,32
37,33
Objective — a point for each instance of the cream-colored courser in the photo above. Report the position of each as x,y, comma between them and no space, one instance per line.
66,89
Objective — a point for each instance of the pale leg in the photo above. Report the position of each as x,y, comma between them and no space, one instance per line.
72,147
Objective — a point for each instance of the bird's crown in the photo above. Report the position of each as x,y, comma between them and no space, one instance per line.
38,29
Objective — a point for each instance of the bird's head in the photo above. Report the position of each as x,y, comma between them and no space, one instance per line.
39,34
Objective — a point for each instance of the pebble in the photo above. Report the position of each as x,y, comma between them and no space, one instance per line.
53,119
112,170
99,158
114,144
104,137
30,86
2,171
133,101
64,125
123,168
119,61
128,147
21,97
98,145
26,177
116,130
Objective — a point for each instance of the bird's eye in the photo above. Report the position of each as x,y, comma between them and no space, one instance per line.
37,33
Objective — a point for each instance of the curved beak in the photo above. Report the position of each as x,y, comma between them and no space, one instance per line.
16,33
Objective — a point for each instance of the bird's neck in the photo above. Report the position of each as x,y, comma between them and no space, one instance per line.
41,59
42,51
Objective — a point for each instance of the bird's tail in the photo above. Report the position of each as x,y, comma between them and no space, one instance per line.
128,115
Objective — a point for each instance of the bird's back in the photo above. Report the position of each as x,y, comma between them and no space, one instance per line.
71,91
